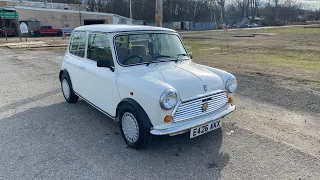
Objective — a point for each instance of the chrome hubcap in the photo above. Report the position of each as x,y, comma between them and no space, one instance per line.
130,127
65,88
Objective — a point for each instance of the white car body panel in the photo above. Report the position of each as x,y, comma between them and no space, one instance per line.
73,64
106,89
150,82
99,86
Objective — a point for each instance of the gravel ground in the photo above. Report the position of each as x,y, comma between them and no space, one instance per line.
274,133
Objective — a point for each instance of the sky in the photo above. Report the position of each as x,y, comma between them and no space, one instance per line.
308,4
313,4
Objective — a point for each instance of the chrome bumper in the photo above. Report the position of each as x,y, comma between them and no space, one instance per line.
187,126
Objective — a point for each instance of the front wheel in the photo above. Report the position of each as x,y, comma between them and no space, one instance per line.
135,134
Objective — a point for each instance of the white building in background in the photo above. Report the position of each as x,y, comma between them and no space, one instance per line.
58,15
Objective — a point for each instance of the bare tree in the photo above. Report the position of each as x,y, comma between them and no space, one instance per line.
254,7
244,7
61,1
222,9
275,12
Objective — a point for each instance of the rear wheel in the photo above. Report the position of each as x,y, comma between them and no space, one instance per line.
59,33
67,90
37,34
135,134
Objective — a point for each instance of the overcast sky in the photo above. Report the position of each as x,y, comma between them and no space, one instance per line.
314,4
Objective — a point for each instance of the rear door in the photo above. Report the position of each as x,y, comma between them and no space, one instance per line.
74,61
100,82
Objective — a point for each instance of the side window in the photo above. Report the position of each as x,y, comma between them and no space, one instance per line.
99,48
78,44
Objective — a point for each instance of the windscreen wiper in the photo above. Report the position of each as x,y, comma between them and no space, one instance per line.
162,56
179,55
153,61
156,57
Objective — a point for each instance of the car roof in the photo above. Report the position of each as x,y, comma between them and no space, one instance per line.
120,28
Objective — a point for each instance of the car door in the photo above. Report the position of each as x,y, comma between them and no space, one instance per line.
43,30
74,61
100,82
50,31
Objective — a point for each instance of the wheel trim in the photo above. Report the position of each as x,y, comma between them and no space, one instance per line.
66,88
130,127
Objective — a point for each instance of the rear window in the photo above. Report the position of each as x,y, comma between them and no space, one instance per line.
78,44
8,28
46,27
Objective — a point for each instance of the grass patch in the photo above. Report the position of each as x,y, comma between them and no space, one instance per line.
293,53
288,31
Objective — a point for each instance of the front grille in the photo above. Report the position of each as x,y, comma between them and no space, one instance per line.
193,108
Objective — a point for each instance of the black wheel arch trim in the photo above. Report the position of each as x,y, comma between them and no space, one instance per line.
64,71
146,121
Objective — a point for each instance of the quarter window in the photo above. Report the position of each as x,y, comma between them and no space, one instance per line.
78,44
99,48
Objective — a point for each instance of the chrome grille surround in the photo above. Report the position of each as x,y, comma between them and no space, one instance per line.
191,108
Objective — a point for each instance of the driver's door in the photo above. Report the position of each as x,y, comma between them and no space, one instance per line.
100,86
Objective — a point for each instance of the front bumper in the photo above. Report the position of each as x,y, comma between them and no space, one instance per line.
189,125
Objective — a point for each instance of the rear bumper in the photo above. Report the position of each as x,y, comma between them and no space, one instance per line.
189,125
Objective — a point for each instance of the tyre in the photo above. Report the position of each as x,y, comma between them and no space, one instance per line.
67,90
59,33
135,134
37,34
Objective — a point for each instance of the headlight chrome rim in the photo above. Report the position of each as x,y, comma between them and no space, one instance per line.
164,96
231,84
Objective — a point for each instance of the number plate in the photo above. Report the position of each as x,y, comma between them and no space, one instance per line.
197,131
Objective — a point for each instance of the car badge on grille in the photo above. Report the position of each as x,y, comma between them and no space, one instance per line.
205,87
204,107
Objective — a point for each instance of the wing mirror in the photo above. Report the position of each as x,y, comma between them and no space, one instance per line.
104,63
190,55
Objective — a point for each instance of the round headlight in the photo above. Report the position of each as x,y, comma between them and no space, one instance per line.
231,84
168,99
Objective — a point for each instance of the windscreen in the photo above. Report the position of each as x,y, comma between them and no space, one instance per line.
135,49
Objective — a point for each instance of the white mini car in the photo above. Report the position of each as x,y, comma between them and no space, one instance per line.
143,77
